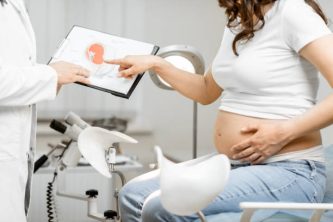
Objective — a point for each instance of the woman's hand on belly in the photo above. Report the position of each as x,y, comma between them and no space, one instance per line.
266,140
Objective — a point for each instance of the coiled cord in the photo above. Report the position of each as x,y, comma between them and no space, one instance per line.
50,196
50,201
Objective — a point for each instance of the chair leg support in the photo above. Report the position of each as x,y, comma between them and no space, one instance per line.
247,214
316,215
202,216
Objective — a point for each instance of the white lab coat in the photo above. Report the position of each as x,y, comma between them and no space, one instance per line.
22,84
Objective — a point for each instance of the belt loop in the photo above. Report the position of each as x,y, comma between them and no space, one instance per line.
312,167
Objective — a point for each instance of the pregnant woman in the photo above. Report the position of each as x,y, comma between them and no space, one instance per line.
266,73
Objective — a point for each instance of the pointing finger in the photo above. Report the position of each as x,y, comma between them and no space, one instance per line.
121,62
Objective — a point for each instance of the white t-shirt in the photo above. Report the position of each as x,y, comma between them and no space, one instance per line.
269,79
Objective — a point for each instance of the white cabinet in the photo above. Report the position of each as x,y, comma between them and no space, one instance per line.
76,181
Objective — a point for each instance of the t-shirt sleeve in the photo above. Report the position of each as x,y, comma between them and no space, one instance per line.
301,24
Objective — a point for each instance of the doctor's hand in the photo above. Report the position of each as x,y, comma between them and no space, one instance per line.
267,139
130,66
70,73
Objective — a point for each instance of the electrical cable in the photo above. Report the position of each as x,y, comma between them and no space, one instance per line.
50,196
50,201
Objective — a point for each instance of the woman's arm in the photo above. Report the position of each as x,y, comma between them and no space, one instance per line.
201,88
320,54
269,139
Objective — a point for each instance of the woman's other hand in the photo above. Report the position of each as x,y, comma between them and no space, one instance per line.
70,73
267,140
130,66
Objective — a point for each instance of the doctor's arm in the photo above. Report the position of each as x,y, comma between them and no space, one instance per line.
201,88
21,86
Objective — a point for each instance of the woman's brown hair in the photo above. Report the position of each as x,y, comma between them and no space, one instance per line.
243,12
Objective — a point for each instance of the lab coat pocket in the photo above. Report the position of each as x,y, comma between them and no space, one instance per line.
4,157
14,132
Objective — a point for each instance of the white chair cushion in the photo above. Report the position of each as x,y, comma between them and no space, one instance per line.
188,188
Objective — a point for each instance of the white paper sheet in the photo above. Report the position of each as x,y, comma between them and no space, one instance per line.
89,48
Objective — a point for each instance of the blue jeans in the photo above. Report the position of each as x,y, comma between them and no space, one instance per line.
286,181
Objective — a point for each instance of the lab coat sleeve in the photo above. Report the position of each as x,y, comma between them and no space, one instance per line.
22,86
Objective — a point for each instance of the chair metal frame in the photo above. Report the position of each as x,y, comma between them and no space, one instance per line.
317,208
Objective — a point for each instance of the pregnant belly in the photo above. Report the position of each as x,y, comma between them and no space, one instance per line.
228,133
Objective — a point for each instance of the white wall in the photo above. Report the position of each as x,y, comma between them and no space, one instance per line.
200,24
53,19
325,89
194,22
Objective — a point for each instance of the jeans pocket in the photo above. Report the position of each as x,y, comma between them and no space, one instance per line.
318,180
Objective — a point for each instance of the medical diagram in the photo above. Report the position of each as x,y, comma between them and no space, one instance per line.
96,53
90,49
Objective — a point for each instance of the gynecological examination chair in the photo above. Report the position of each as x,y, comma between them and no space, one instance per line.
194,185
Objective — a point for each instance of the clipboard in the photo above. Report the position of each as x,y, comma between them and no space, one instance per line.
89,48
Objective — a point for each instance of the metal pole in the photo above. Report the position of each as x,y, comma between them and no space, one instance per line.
195,128
201,216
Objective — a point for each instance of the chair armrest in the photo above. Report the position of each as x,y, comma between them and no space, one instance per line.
287,206
251,207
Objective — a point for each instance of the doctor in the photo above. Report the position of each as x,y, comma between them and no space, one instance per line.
22,84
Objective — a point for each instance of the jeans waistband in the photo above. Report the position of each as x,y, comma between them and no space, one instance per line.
288,163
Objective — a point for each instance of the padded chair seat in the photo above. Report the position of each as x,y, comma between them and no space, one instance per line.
279,217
